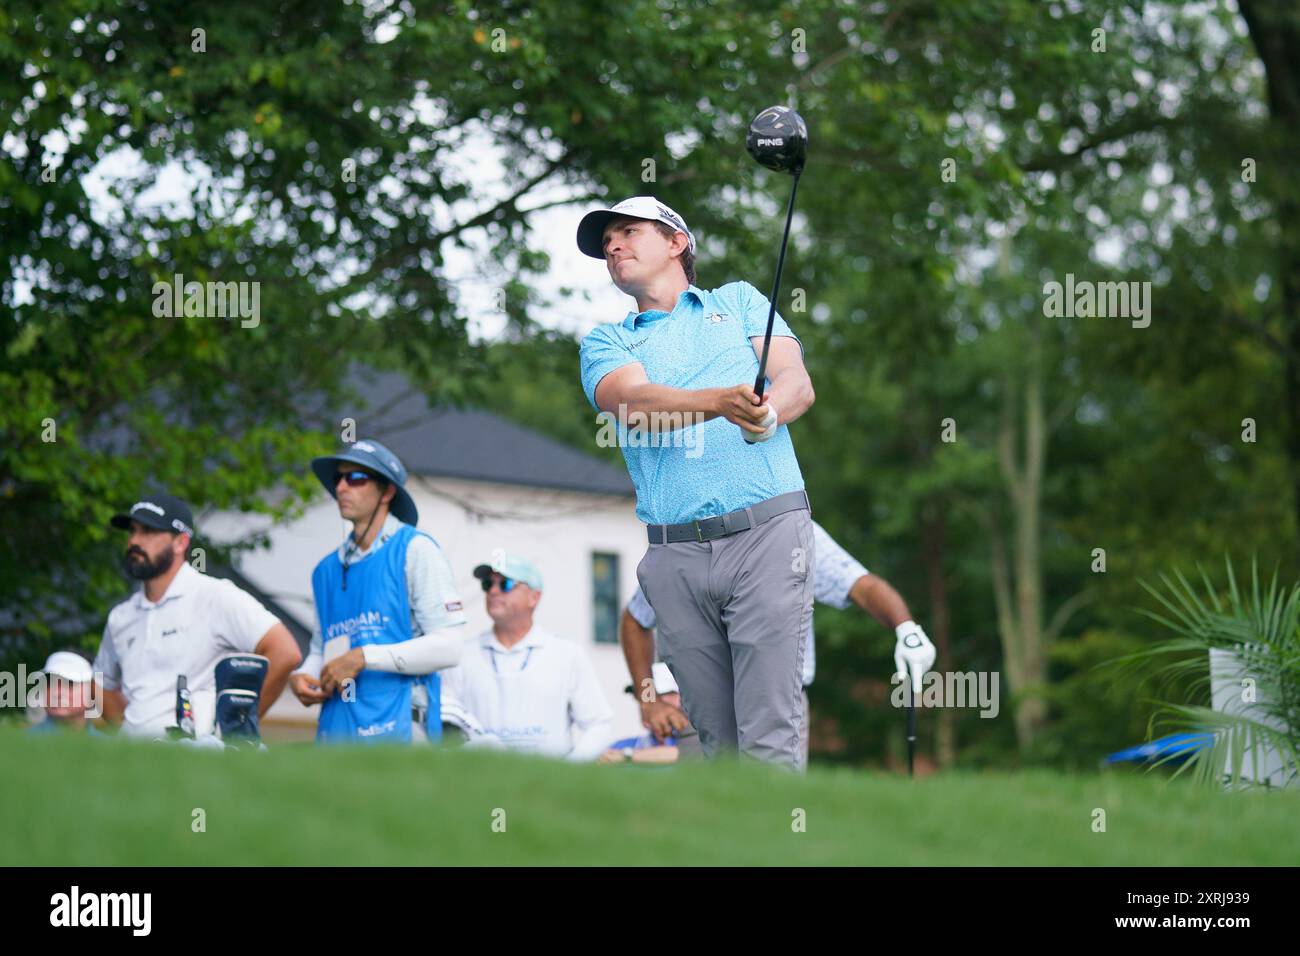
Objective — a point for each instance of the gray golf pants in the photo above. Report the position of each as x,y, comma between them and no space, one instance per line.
731,615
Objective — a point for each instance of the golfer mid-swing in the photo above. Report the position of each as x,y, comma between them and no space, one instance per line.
728,569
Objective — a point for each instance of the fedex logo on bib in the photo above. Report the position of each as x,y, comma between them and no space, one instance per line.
376,730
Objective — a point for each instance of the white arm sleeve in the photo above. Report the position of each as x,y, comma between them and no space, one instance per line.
315,659
420,655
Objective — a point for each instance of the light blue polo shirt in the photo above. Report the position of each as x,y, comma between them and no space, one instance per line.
707,469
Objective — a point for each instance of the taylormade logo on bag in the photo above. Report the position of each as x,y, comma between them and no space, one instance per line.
102,909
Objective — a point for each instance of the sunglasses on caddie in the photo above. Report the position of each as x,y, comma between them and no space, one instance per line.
506,583
355,479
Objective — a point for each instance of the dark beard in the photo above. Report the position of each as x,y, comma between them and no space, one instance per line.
142,569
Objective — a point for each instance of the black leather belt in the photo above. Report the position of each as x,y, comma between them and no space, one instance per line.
706,529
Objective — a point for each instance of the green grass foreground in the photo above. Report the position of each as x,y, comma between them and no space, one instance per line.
74,801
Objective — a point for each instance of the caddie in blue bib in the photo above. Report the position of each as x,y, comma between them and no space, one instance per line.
365,593
374,609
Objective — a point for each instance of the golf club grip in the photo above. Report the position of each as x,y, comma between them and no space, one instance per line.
776,291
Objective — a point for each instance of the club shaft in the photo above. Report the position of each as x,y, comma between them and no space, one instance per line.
776,291
911,731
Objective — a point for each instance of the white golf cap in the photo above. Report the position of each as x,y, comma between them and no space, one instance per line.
69,666
591,230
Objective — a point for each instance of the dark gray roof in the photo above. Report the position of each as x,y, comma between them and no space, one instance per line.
470,443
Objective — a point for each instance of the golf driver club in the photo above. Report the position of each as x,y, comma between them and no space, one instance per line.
778,139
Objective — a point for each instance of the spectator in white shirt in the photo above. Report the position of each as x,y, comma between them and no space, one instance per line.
180,622
521,686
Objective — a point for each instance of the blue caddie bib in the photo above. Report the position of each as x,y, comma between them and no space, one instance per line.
374,609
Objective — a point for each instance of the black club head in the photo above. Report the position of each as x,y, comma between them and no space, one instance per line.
778,139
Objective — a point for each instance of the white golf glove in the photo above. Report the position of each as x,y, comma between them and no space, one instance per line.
913,652
769,423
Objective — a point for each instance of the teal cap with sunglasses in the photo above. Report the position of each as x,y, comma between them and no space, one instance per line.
511,566
374,457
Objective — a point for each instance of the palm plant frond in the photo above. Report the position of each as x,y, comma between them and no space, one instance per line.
1242,749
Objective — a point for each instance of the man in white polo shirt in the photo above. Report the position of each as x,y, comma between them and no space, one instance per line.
180,622
523,686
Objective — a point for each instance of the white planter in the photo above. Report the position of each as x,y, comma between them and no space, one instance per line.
1228,674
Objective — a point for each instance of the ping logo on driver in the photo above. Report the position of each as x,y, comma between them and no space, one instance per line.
772,142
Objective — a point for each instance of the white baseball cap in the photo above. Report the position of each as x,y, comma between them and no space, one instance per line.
591,230
69,666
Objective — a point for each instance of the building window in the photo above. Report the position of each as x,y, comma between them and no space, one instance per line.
604,597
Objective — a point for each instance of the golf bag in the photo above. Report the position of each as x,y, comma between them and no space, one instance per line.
239,680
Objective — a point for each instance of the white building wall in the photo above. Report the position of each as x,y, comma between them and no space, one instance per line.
556,530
